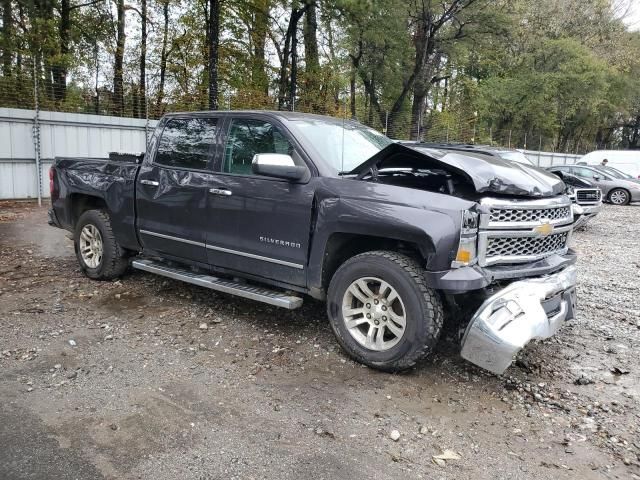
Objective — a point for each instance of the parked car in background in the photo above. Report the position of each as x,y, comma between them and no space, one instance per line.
585,196
614,172
618,191
627,161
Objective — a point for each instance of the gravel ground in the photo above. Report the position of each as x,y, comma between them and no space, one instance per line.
150,378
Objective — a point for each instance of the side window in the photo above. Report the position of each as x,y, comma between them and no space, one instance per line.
186,143
584,172
248,137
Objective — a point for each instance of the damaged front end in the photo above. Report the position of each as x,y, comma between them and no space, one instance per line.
523,311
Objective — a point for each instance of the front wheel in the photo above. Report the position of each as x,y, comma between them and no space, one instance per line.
98,253
382,312
619,196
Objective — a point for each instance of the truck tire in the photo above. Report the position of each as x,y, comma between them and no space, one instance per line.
382,312
98,253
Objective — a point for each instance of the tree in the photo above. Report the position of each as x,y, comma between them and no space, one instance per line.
312,81
118,60
214,40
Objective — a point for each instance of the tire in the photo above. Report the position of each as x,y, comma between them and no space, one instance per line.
421,306
113,260
619,196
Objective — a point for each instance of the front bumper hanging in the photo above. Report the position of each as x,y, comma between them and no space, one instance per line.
584,213
523,311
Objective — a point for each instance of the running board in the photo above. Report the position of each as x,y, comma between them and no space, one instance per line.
259,294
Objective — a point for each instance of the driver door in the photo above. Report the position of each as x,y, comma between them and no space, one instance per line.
258,225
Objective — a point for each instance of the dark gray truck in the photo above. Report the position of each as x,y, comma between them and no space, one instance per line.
398,240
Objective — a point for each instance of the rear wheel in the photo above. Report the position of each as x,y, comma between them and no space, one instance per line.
98,253
382,312
619,196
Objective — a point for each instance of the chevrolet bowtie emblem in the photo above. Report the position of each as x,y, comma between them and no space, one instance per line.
544,229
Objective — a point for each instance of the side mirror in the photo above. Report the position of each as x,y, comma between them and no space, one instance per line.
596,177
277,165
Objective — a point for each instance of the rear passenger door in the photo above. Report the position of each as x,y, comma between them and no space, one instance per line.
172,188
259,225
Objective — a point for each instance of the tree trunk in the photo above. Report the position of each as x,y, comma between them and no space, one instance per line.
118,82
293,84
352,93
214,40
312,63
258,33
328,27
355,65
7,36
97,77
142,83
163,57
59,68
285,89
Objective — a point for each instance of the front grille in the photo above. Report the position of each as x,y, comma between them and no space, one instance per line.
529,215
588,196
525,246
514,231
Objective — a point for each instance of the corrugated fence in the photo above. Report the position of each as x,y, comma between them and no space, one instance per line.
79,135
61,135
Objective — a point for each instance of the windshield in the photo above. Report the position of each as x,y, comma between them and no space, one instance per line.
518,157
343,148
615,172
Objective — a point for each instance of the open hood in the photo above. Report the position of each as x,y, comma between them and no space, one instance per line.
487,174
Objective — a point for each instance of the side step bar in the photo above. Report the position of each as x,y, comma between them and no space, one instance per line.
259,294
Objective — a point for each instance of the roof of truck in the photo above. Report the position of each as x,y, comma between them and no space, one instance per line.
273,113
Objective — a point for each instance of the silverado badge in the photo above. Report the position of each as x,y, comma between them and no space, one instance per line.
544,229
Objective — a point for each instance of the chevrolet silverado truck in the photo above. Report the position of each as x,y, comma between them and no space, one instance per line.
275,206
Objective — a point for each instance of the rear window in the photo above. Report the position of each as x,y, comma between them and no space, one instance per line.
186,143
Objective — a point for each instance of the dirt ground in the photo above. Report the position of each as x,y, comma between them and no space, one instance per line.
120,380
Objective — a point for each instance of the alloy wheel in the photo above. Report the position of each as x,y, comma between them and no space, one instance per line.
618,197
374,313
91,246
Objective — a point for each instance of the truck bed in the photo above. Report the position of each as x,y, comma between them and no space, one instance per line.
100,182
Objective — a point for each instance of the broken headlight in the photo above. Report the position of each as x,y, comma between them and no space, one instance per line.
468,247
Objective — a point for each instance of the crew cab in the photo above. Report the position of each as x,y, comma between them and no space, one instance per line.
276,206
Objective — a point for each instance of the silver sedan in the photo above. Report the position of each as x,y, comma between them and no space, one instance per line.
618,191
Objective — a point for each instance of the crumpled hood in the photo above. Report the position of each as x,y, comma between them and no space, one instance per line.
487,174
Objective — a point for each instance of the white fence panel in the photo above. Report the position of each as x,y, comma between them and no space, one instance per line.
548,159
61,135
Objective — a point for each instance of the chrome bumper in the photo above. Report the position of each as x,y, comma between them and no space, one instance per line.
584,213
521,312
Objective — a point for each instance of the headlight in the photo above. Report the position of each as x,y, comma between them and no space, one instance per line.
470,221
467,248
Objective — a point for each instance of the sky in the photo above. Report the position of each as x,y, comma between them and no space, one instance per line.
633,17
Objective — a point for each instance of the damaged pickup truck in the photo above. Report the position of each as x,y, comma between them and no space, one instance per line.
397,240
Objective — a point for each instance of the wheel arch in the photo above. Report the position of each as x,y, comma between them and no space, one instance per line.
341,246
81,202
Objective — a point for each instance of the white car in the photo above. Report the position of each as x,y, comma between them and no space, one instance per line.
627,161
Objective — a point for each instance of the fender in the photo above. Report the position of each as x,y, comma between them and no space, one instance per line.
434,231
99,182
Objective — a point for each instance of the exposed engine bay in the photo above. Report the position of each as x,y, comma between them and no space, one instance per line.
468,175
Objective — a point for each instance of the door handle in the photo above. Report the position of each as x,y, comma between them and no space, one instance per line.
152,183
220,191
